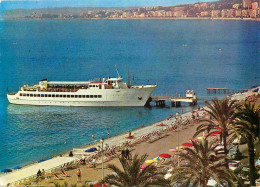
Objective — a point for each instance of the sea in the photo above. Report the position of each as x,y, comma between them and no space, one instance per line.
177,55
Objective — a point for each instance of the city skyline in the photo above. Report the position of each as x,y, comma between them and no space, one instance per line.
28,4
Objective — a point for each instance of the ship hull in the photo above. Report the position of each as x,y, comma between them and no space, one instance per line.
108,98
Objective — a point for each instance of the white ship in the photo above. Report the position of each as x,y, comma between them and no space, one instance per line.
110,92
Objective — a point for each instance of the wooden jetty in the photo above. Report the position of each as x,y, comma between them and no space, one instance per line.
224,90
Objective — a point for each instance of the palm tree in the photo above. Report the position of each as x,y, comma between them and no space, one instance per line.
132,175
206,160
223,113
247,127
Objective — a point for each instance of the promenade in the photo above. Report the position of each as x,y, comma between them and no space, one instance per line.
31,171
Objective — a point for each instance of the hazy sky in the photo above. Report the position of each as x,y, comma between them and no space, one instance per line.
91,3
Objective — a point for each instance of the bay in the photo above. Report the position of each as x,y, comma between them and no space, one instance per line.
174,54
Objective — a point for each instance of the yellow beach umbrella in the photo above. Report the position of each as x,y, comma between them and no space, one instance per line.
150,161
201,138
180,147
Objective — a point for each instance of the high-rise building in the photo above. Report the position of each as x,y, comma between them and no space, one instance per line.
247,4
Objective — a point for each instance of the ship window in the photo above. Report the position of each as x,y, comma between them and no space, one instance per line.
49,95
42,95
34,95
20,94
31,95
83,96
72,96
76,96
90,85
68,96
95,96
38,95
79,96
53,95
45,95
87,96
91,96
99,96
24,94
60,95
64,96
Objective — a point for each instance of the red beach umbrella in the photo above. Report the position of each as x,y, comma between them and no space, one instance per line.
215,132
165,155
100,185
173,150
143,166
130,137
212,134
187,144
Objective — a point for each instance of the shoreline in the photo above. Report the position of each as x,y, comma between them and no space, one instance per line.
145,18
120,139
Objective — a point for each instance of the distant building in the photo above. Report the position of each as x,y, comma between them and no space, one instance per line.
215,13
179,13
255,5
235,6
247,4
205,14
238,13
224,13
245,13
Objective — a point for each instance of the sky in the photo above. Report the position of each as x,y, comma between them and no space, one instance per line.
13,4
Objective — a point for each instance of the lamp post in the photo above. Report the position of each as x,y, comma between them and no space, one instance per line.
102,143
178,125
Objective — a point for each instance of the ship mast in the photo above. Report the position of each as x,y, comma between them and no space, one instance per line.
117,71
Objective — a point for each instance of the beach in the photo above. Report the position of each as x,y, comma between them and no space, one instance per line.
168,139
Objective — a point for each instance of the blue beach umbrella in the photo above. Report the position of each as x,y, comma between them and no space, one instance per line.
158,158
17,167
6,170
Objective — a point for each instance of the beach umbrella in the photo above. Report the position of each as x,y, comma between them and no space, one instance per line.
158,158
6,170
100,185
143,166
212,134
187,144
173,150
129,137
180,147
215,132
165,155
17,167
150,161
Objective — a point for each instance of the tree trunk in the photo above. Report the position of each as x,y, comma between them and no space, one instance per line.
225,145
251,154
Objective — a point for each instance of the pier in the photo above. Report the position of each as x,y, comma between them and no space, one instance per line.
224,90
175,101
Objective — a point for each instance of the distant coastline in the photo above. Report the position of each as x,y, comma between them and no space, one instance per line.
148,18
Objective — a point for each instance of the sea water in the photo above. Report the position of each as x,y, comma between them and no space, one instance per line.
174,54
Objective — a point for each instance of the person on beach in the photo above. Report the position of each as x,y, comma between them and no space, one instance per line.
108,135
71,154
43,172
123,153
127,153
39,173
129,134
94,162
93,136
79,175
